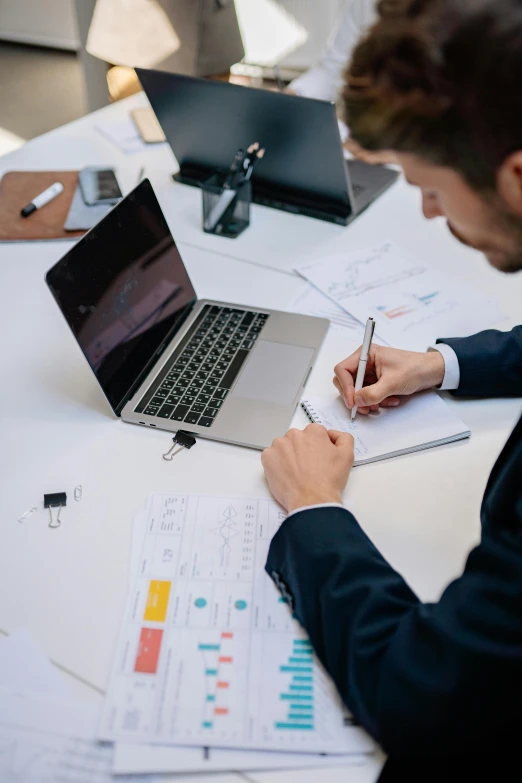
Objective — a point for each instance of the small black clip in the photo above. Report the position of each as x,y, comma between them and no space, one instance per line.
183,439
53,500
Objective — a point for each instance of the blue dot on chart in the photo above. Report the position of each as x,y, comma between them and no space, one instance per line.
240,605
200,603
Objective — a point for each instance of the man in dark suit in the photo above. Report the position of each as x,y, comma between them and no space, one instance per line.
437,82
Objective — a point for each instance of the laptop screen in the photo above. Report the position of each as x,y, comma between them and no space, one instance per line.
124,289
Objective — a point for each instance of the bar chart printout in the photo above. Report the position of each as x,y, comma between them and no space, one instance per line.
209,653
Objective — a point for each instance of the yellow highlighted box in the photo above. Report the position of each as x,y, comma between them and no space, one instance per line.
157,601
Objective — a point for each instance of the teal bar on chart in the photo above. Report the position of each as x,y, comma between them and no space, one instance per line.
211,672
292,696
297,726
297,716
301,707
302,678
301,687
296,669
211,697
212,647
301,659
302,643
207,724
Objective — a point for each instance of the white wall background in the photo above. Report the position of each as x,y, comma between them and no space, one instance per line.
39,22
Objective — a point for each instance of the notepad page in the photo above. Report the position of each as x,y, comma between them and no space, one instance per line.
420,422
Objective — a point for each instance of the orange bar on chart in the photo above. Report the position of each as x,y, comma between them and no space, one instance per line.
157,601
148,651
225,659
227,635
221,711
222,684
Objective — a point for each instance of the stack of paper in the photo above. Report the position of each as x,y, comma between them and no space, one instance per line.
45,734
123,134
211,671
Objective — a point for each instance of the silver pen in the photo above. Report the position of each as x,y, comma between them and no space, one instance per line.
363,359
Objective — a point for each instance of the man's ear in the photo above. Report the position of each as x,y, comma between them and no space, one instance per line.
509,182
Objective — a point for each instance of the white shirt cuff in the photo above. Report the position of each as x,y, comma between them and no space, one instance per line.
318,505
451,380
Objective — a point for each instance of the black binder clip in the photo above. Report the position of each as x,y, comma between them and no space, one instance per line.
182,439
55,500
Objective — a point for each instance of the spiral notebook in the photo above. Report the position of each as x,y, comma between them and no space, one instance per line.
420,422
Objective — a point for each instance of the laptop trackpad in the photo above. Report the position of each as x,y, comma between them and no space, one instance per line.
274,373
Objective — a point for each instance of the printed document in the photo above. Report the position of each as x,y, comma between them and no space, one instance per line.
209,652
411,304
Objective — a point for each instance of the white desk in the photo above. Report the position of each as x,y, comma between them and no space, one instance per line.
68,586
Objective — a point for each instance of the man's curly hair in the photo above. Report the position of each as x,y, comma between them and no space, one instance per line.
441,79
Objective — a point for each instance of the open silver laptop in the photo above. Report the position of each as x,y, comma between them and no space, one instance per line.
165,358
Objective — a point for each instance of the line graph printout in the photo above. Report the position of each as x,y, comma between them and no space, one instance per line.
209,653
411,304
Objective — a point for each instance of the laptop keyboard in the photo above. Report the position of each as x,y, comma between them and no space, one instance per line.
197,378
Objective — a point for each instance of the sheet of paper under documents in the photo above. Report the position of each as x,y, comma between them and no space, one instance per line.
46,734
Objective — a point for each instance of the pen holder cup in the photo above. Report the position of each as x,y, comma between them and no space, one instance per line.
235,217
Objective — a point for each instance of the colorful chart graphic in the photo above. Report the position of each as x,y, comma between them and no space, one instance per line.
157,601
428,299
414,305
395,312
299,695
217,662
200,603
240,605
148,651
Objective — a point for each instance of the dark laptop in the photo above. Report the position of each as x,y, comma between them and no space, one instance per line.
303,171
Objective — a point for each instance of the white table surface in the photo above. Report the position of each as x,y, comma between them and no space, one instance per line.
68,586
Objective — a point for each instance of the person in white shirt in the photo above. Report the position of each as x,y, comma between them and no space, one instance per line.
325,79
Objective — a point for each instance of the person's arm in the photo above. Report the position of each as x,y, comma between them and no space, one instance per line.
423,679
325,78
490,363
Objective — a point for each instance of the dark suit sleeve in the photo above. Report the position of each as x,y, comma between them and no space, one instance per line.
421,678
490,363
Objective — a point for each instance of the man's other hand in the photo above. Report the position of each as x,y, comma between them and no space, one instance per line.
359,153
390,375
309,466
